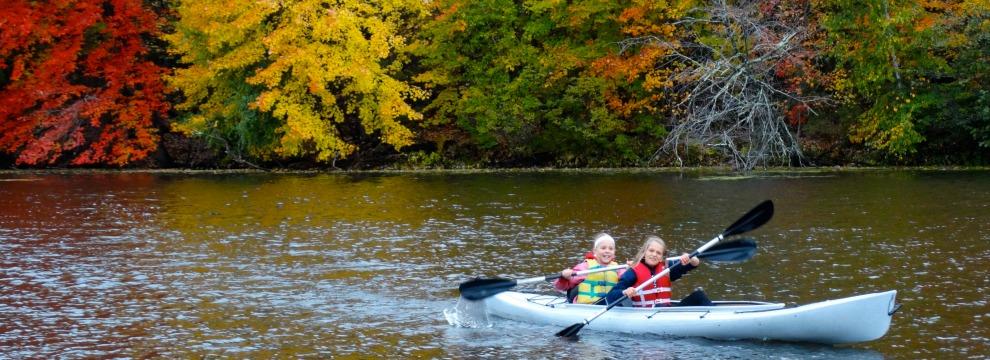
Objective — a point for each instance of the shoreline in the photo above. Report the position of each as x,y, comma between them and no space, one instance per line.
706,169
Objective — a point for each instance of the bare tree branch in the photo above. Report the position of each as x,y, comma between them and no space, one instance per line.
732,99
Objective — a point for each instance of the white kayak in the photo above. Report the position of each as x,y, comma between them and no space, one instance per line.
848,320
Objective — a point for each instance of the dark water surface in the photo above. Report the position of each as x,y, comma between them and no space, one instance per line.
359,266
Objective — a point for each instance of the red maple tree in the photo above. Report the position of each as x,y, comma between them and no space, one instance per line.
76,83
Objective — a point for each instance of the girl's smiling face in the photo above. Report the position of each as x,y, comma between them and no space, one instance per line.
654,254
604,252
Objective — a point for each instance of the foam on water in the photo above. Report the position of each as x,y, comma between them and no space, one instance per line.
468,314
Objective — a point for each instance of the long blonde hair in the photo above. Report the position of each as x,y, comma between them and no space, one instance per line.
642,251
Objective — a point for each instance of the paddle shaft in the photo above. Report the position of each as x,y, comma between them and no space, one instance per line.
552,277
577,273
654,278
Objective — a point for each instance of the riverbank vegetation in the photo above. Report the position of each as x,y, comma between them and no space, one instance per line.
307,84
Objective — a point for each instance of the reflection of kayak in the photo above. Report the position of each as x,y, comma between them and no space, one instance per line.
848,320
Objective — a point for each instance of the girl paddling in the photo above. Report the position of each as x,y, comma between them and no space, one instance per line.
591,288
650,261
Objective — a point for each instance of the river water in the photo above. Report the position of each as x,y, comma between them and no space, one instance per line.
146,265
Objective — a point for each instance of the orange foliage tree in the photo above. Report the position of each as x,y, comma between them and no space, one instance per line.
76,84
636,74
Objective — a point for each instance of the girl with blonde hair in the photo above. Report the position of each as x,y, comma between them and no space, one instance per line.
649,261
591,288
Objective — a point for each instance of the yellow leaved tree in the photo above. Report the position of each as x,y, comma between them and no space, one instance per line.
296,78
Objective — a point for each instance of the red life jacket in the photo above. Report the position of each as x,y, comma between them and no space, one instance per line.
655,294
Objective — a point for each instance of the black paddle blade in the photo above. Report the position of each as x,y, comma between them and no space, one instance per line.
571,331
755,218
730,251
478,289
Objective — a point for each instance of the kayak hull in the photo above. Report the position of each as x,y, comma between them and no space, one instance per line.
842,321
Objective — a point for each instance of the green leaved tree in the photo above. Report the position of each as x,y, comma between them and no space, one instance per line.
544,81
915,72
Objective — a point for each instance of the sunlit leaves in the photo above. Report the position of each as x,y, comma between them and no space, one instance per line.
75,84
291,79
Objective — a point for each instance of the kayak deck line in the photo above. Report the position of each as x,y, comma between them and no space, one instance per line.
839,321
551,301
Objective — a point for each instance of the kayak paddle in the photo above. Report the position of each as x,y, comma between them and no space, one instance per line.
753,219
477,289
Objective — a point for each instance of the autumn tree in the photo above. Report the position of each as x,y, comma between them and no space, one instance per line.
544,81
915,73
957,124
638,74
968,27
299,78
76,85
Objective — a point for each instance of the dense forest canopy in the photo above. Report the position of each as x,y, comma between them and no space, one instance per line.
493,83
